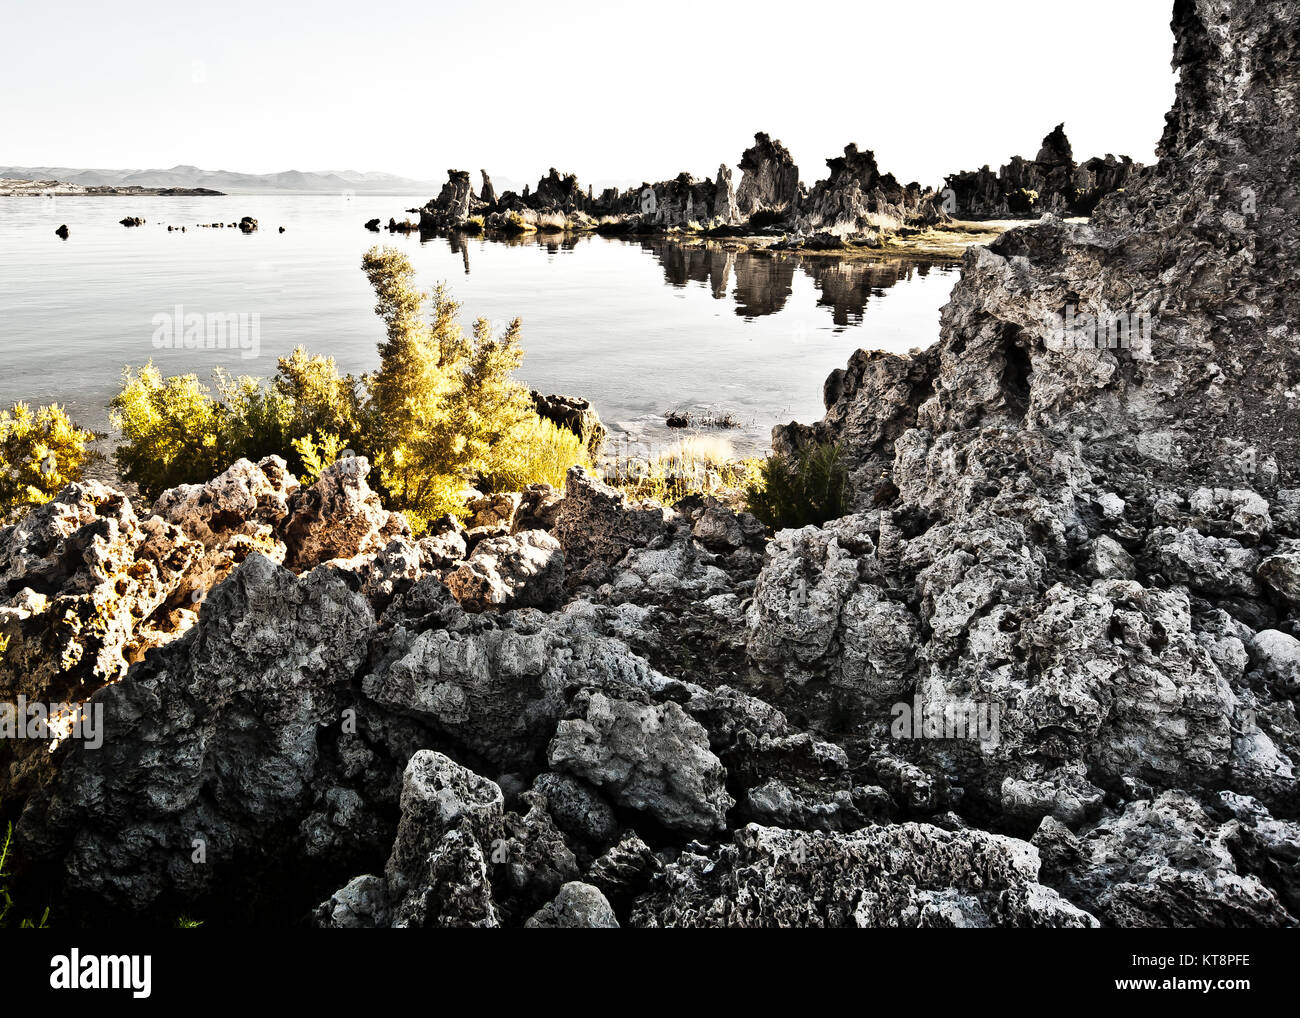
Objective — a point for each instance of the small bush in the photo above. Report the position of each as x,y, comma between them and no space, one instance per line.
169,429
40,452
538,451
442,413
695,466
175,430
516,222
805,490
552,222
1022,200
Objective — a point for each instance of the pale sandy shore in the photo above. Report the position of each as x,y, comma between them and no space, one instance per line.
13,187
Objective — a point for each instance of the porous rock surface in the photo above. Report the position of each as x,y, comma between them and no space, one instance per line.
1042,675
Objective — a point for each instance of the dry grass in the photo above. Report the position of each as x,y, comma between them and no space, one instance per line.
552,222
696,465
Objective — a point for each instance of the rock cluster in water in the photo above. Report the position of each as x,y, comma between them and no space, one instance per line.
1051,182
855,200
1043,675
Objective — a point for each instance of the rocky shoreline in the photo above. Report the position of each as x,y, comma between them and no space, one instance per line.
1043,675
11,187
856,208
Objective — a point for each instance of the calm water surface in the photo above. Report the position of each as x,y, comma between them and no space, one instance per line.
640,328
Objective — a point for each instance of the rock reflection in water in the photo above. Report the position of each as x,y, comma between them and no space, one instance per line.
550,242
764,279
758,280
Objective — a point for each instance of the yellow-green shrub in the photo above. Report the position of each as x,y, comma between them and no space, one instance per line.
40,452
175,430
169,429
537,452
441,413
441,400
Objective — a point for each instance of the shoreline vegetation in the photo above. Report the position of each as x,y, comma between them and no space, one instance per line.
442,423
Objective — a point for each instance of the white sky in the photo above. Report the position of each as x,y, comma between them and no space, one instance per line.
615,92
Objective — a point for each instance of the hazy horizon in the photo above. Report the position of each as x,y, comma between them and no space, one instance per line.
412,90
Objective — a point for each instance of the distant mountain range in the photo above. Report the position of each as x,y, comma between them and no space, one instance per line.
227,180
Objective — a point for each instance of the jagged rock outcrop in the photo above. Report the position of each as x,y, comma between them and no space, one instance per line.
574,414
453,206
522,570
769,178
236,513
1074,533
1042,675
87,587
905,875
650,757
559,192
577,906
1051,182
338,517
210,759
857,198
488,194
1173,860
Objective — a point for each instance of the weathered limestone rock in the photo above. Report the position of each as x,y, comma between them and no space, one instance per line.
234,514
85,589
625,869
213,737
1101,622
449,814
903,875
361,904
857,198
769,179
523,570
577,906
1279,657
646,757
499,684
1166,862
338,517
597,524
577,808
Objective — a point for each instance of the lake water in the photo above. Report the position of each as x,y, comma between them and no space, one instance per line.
641,328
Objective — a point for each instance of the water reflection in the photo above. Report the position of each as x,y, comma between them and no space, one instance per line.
765,279
760,282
